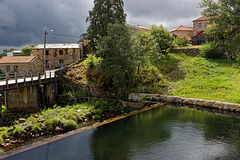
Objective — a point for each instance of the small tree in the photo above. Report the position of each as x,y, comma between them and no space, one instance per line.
181,41
141,48
26,51
161,39
115,51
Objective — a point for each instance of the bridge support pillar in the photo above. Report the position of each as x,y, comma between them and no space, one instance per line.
31,99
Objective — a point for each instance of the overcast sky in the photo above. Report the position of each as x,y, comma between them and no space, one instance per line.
23,22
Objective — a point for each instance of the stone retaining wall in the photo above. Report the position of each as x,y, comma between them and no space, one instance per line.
189,101
187,51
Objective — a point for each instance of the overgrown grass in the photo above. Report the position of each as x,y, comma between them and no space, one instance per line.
195,77
58,119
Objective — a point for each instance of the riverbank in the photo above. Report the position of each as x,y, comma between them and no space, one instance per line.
59,120
191,77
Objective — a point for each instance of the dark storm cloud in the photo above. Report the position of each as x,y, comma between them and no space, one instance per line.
23,22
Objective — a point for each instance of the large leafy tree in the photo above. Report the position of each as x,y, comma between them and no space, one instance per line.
141,48
224,16
161,39
103,13
116,53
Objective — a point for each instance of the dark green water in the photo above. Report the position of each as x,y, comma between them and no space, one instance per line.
168,132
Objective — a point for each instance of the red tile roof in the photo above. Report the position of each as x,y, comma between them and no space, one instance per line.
183,35
143,28
182,28
18,59
200,19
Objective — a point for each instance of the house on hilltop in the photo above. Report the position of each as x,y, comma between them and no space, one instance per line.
183,31
137,28
26,64
199,25
59,55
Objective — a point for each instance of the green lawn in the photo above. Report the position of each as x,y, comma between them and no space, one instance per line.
197,77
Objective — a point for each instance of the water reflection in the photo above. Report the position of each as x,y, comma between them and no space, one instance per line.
167,132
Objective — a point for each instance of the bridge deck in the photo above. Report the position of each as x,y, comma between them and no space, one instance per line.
27,81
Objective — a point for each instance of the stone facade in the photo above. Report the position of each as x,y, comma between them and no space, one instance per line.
59,55
199,25
24,64
199,39
66,84
189,101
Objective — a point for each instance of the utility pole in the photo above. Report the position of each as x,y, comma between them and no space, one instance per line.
44,52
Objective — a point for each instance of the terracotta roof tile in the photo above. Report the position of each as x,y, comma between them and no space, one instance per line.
183,35
182,28
18,59
143,28
200,19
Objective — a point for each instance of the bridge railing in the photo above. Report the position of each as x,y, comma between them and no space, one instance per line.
17,78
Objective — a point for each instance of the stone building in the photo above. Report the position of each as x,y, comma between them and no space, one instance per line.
59,55
199,25
26,64
182,31
199,38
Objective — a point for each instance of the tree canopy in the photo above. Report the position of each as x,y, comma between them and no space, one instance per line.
115,51
161,37
224,16
26,51
103,13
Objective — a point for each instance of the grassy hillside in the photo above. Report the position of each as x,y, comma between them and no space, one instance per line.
178,75
197,77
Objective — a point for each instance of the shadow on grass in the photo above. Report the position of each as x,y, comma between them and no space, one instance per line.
169,65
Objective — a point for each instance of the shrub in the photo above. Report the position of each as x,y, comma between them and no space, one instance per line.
98,111
210,50
51,123
104,82
18,131
36,128
181,41
69,125
96,117
1,139
72,115
92,61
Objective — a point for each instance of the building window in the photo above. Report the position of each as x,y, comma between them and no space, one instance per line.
200,41
8,69
199,25
60,52
15,68
47,52
47,64
61,63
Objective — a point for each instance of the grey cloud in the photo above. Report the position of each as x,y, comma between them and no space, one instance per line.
24,22
170,13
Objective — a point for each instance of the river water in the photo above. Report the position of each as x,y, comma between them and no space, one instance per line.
166,133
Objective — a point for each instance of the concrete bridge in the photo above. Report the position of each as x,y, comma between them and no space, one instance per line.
28,93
